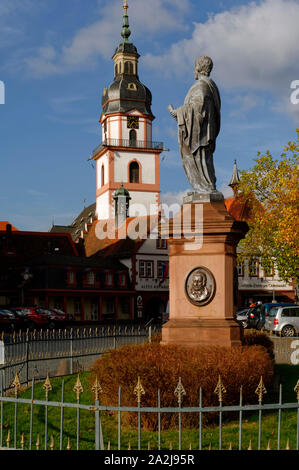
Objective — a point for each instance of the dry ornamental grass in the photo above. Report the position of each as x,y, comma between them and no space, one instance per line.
160,367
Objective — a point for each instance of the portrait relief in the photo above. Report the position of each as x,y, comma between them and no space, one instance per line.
200,286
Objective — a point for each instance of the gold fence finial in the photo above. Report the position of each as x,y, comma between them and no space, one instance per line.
220,390
296,389
180,391
47,385
16,384
97,389
8,439
78,389
261,390
139,391
22,441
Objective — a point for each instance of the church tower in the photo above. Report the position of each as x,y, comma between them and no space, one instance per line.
127,156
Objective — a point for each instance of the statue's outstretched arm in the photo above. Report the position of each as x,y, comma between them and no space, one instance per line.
172,112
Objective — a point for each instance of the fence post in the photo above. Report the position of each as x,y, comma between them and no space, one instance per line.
27,359
71,351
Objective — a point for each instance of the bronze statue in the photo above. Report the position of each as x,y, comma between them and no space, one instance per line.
198,127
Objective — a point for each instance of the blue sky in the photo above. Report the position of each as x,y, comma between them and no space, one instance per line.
55,60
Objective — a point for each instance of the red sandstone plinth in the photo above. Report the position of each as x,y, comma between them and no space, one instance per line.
213,323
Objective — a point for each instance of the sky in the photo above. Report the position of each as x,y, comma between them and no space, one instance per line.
56,59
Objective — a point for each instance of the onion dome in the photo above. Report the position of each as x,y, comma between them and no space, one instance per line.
126,92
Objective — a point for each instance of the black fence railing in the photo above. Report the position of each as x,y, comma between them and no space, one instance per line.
61,352
138,144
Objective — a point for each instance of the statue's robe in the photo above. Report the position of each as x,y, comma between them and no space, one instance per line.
198,127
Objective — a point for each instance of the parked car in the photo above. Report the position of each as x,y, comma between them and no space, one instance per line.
283,320
58,318
33,317
254,317
260,313
16,317
242,317
7,321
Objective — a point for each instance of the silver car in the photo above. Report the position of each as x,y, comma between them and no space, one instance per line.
283,320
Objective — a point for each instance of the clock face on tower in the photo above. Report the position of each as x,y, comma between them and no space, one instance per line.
133,122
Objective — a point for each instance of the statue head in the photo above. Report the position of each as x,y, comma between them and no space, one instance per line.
203,65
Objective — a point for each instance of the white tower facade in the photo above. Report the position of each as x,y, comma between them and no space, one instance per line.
127,156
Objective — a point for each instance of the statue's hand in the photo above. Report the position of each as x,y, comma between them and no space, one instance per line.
172,112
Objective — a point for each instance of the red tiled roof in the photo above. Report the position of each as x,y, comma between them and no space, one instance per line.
115,243
238,208
4,224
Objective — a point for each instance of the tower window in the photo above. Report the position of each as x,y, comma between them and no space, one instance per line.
102,175
133,138
128,68
116,69
134,172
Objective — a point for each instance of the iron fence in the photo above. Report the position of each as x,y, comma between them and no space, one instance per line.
14,437
142,144
62,352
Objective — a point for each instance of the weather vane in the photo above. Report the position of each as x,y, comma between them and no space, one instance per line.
126,6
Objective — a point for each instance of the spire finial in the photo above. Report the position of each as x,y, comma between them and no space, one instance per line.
126,33
235,180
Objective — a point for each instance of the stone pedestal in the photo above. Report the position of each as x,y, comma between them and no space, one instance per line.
206,319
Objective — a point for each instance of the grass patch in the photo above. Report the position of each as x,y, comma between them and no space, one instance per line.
288,377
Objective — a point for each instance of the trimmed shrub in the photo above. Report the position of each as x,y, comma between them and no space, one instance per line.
160,367
254,337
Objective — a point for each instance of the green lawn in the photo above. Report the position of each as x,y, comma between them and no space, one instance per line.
288,376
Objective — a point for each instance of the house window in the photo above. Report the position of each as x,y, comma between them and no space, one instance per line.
110,306
141,268
253,268
77,307
240,269
122,280
163,269
109,279
269,271
91,278
161,244
146,269
149,269
134,172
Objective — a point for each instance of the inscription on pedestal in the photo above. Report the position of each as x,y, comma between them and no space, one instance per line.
200,286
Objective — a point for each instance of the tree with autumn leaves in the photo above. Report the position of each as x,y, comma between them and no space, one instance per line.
271,191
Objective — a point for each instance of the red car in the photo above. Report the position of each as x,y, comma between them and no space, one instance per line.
33,317
58,318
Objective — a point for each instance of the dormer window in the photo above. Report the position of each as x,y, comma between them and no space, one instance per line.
132,86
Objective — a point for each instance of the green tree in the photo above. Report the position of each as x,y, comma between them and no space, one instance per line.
270,189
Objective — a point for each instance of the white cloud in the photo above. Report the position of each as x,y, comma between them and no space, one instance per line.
95,40
173,199
253,46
